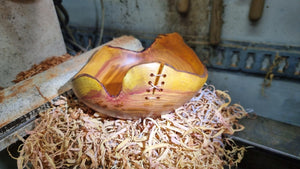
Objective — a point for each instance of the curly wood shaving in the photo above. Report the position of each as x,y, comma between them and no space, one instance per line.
67,135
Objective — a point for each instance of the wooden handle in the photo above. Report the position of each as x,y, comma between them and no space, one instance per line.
216,22
183,6
256,9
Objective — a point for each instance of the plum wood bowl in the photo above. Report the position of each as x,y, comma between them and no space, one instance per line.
129,84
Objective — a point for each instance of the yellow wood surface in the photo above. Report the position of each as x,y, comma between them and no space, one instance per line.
129,84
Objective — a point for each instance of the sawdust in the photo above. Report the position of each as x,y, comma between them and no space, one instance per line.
193,136
44,65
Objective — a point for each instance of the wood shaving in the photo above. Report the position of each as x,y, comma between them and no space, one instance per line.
44,65
190,137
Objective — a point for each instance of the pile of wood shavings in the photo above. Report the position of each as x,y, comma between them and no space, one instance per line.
191,137
44,65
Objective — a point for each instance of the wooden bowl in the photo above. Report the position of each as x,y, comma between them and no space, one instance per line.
129,84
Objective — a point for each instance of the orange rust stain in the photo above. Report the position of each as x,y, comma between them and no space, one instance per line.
4,123
1,96
15,90
19,88
52,75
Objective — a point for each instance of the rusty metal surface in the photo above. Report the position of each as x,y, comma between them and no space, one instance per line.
28,95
